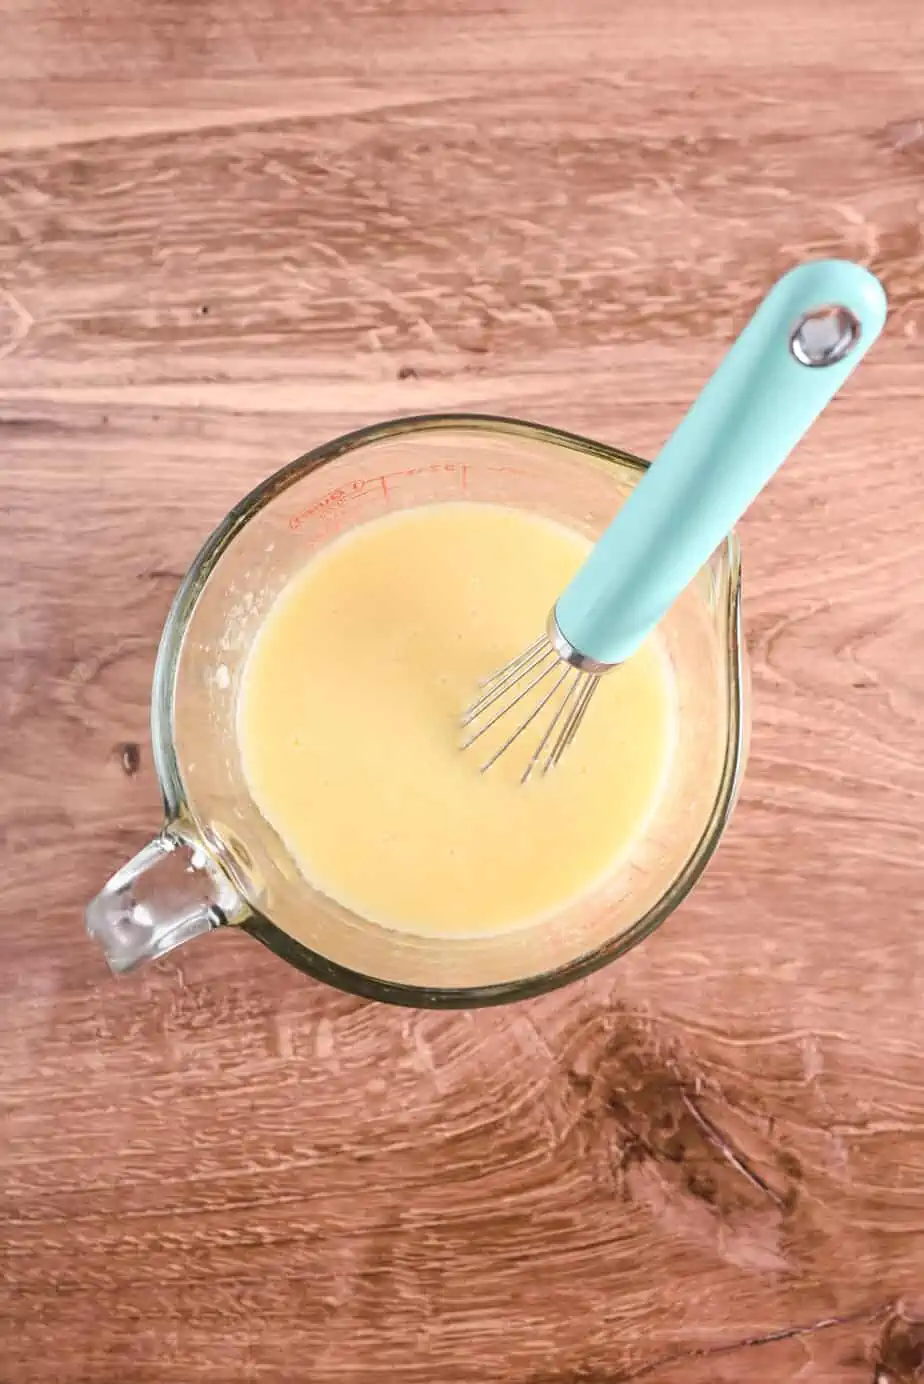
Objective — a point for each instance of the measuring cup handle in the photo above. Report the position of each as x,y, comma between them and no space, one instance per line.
167,894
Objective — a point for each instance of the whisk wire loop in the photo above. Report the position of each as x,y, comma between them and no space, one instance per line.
567,697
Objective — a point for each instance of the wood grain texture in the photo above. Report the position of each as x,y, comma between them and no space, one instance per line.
228,232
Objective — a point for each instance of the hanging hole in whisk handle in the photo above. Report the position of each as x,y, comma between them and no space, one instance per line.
824,336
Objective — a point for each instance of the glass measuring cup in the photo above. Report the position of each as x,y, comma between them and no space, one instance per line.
218,863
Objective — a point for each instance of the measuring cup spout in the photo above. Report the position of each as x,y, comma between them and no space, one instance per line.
170,892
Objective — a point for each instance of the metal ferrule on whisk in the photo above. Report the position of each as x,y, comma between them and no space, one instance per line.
567,651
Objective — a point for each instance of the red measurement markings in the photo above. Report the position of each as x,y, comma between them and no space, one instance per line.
330,506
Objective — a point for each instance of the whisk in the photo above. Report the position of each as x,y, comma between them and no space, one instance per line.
805,339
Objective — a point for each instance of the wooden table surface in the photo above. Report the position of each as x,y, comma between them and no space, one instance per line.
228,232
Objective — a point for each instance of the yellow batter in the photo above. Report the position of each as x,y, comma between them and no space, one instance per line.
349,727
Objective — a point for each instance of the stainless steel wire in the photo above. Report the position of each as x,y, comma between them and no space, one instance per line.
558,687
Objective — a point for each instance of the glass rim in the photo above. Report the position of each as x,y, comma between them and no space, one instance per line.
179,812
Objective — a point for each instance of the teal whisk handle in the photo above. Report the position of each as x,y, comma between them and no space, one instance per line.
807,336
